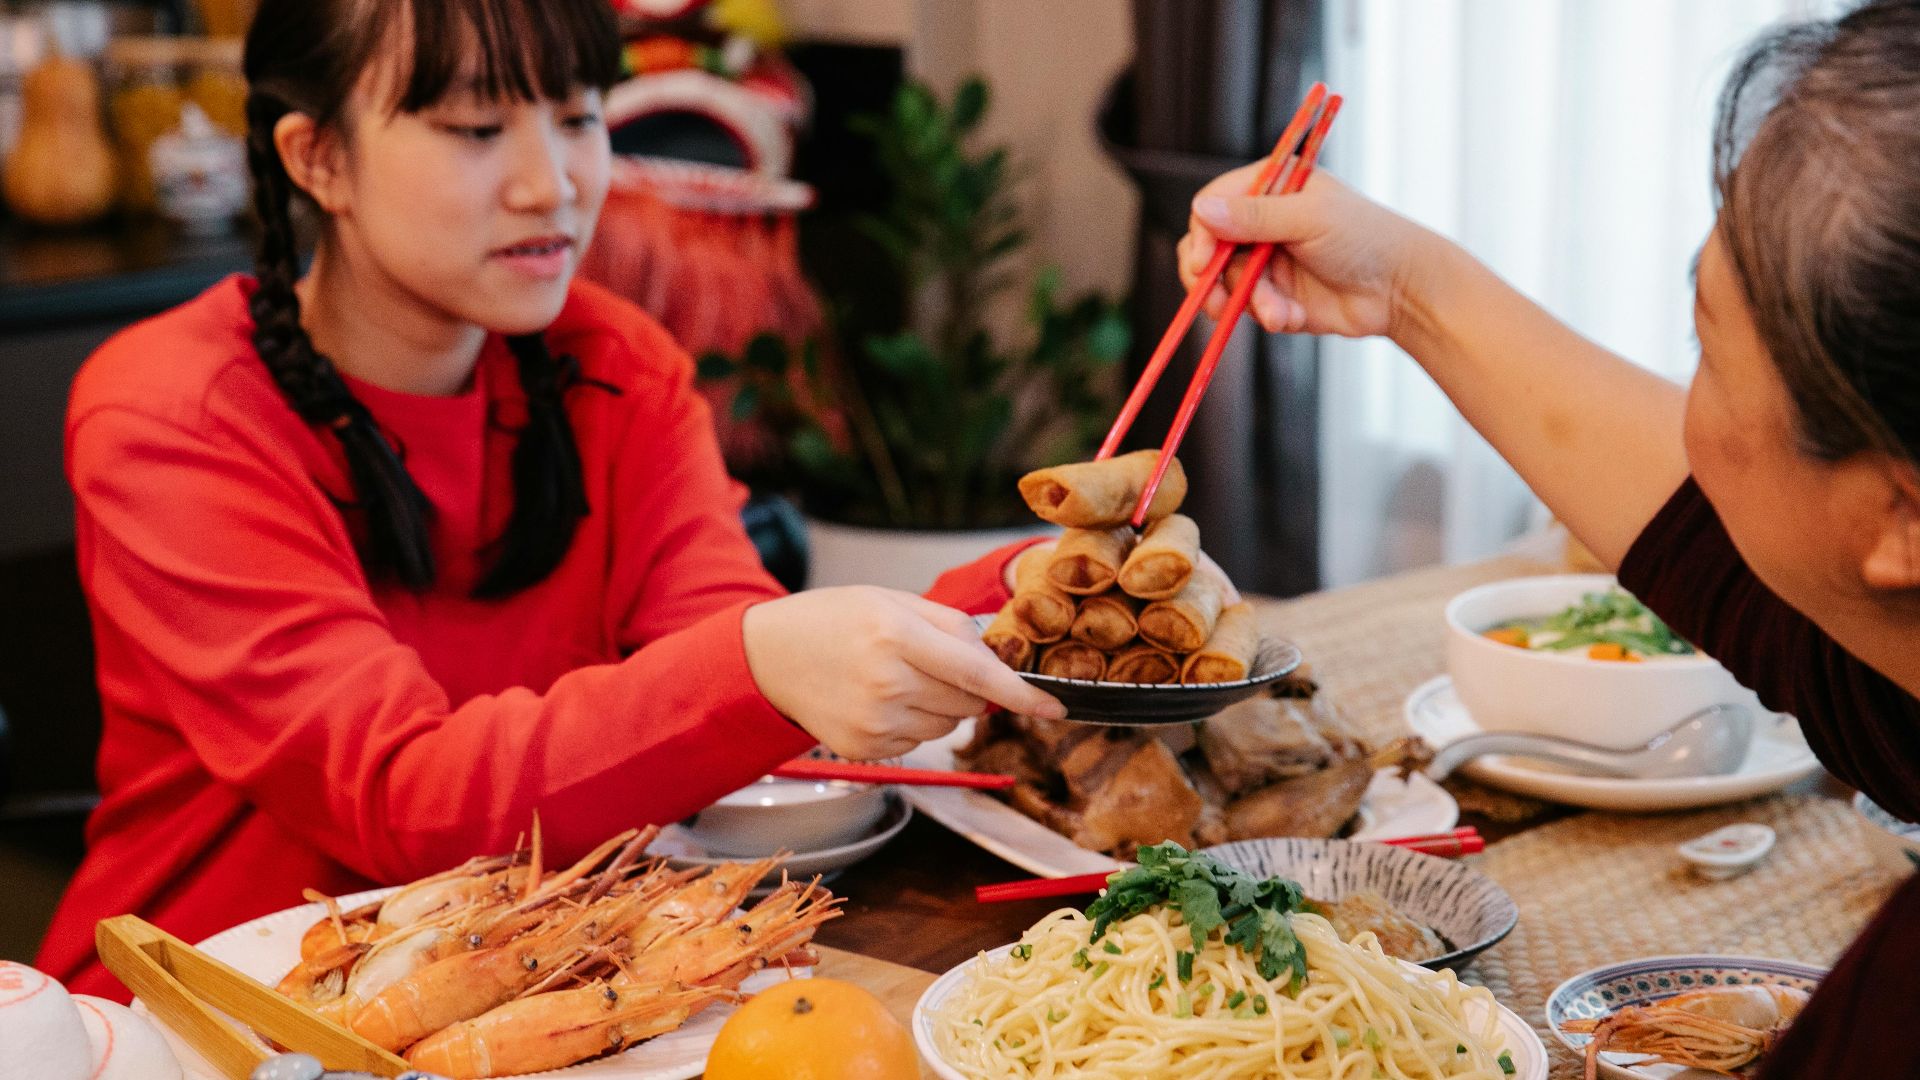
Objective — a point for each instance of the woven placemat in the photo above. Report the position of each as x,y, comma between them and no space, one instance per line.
1370,645
1603,888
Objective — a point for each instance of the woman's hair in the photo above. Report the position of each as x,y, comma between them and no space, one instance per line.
306,56
1817,162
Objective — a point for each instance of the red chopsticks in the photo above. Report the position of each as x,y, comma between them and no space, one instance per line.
860,773
1461,841
1237,301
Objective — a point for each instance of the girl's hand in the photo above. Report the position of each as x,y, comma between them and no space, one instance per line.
872,673
1342,265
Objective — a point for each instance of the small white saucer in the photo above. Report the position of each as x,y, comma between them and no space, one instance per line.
1778,757
683,852
1730,851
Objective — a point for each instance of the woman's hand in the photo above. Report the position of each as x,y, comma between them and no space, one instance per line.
872,673
1342,265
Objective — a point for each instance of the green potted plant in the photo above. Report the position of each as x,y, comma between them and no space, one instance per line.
903,435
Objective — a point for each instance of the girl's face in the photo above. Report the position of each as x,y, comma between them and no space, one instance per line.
477,209
1807,527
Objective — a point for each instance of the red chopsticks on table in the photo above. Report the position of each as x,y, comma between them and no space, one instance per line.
861,773
1461,841
1304,123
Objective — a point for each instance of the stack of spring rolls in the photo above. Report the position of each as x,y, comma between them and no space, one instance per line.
1111,605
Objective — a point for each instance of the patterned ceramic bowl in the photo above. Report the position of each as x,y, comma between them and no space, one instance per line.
1603,990
1468,909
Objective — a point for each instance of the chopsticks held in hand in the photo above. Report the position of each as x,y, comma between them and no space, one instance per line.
1462,841
1311,121
861,773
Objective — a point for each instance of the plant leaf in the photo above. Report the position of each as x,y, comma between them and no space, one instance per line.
714,366
970,104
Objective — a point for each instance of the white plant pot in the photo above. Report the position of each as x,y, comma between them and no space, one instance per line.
905,559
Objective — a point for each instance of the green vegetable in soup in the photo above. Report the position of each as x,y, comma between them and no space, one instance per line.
1612,617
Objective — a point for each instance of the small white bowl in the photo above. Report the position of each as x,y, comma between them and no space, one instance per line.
772,815
1894,842
1599,702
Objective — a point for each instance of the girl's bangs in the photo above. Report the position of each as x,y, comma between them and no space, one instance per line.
522,50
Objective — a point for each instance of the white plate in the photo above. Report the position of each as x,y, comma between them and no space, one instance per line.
1529,1054
1779,757
683,852
266,949
1415,806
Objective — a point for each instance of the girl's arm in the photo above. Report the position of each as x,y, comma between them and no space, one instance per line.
1597,438
252,631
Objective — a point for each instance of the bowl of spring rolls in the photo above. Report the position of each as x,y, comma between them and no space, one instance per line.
1126,626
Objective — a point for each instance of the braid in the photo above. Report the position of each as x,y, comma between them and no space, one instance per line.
549,492
396,543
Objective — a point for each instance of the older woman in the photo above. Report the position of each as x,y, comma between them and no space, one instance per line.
1771,511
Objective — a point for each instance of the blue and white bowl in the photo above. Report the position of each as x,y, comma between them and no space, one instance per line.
1468,909
1594,994
1894,842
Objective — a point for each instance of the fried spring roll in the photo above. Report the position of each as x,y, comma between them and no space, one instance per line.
1229,654
1088,560
1044,611
1163,562
1144,664
1003,636
1184,622
1073,660
1107,622
1101,494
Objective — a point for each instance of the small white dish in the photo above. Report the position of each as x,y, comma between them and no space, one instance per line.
683,850
1730,851
1777,758
1894,842
1394,806
1529,1055
772,815
1605,703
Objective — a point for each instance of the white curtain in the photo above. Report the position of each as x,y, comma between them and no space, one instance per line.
1567,144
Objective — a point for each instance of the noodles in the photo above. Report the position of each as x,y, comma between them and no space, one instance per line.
1060,1005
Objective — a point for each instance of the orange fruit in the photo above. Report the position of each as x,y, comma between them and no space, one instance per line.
813,1029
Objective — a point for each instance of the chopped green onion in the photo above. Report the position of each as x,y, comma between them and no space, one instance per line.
1260,1004
1460,1048
1238,997
1100,969
1506,1062
1182,1005
1110,947
1159,980
1185,966
1341,1038
1205,992
1372,1040
1023,952
1055,1017
1244,1012
1079,961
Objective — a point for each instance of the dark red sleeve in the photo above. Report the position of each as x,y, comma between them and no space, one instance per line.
1864,728
1861,1022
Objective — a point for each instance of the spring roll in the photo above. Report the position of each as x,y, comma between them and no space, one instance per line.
1073,660
1106,622
1184,622
1144,664
1003,636
1044,611
1229,654
1163,562
1088,560
1101,494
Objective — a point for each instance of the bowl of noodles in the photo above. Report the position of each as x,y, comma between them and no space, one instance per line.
1188,967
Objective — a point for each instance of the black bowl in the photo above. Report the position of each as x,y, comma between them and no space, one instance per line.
1134,704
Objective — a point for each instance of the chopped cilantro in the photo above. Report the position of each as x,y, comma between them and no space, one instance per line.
1210,895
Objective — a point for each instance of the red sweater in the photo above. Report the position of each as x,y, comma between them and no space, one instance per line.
274,723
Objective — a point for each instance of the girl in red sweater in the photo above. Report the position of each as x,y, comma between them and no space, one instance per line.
384,558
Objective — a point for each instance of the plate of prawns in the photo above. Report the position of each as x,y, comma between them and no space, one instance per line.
616,966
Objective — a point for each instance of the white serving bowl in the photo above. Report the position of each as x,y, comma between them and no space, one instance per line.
1601,702
772,815
1894,842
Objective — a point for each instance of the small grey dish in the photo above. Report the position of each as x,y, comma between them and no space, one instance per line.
1140,704
1468,909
